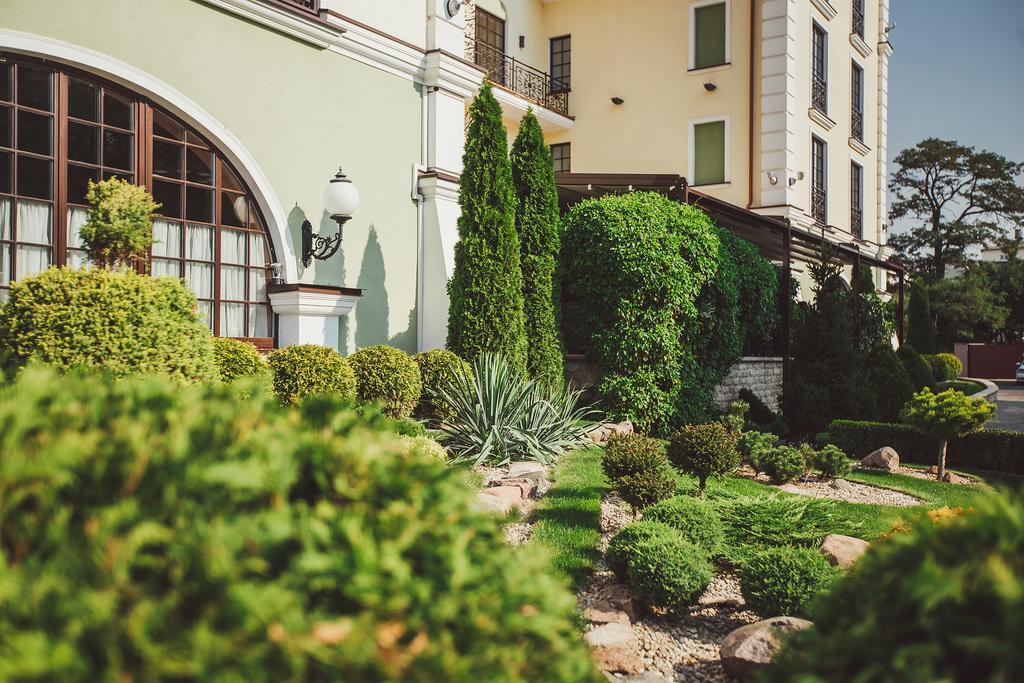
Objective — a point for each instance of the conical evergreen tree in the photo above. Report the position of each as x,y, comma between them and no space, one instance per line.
486,290
920,324
533,175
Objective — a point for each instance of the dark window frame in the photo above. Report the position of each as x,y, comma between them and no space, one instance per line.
695,35
560,63
856,200
562,162
819,67
819,180
857,101
491,30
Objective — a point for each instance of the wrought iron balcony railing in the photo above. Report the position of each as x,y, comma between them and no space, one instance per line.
857,124
858,18
819,93
857,223
532,84
307,6
819,206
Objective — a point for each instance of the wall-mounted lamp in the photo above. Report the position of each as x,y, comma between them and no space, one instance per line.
617,100
799,176
275,273
522,42
772,178
453,7
341,199
710,87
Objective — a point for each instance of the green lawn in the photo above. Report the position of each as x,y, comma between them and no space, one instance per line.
568,517
963,386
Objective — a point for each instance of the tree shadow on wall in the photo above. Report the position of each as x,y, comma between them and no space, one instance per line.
372,311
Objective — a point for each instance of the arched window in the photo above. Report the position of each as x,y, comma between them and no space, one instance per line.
59,129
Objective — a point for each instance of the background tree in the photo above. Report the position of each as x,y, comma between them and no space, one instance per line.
1006,281
486,290
956,196
533,175
946,415
968,308
920,325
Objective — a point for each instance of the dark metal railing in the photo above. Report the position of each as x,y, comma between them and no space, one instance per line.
857,124
858,18
532,84
819,93
857,223
819,206
307,6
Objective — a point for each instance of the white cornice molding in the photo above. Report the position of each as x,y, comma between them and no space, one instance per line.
280,19
320,304
821,119
860,46
514,107
826,9
885,49
447,72
433,187
859,147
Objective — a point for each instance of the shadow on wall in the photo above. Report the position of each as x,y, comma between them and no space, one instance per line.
373,312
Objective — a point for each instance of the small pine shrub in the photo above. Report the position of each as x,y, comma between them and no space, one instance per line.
435,368
623,543
119,227
236,359
309,370
831,462
735,416
424,446
388,377
668,572
783,581
784,464
646,487
628,454
696,519
121,322
753,446
704,451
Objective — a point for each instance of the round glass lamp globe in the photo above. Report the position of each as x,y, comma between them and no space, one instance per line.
341,198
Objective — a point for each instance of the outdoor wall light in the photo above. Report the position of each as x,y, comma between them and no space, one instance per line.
772,178
276,278
341,199
799,176
710,87
617,100
453,7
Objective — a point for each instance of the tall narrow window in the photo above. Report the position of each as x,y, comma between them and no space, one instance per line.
561,62
857,200
709,153
819,181
857,103
709,35
490,45
819,70
561,156
858,18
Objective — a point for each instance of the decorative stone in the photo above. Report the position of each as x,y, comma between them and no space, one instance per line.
645,677
951,478
513,495
623,428
841,485
615,597
791,488
527,486
615,648
493,504
749,649
533,471
884,458
601,616
598,434
843,551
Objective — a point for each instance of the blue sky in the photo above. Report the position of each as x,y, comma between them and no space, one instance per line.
958,73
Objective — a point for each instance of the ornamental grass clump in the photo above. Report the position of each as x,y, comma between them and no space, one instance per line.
387,377
706,450
118,230
499,416
308,370
435,366
153,533
945,416
784,581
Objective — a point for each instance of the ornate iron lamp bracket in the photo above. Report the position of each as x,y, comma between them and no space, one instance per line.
316,246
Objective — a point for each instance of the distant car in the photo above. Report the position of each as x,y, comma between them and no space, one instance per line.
1020,373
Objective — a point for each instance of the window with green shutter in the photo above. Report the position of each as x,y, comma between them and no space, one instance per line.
709,36
709,153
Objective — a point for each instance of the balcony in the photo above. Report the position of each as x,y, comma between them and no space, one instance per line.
819,93
529,83
307,6
857,223
819,206
857,125
858,18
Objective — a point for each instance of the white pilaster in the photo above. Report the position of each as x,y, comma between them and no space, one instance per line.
778,102
440,231
310,315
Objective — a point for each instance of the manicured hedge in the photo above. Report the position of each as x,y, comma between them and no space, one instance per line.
991,449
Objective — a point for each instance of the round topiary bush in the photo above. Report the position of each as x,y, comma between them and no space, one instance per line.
122,322
236,359
832,462
954,367
424,445
704,451
309,370
436,367
784,464
668,572
190,535
628,454
646,487
622,544
783,581
941,603
388,377
697,521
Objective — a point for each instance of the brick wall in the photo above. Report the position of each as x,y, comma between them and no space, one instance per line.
763,376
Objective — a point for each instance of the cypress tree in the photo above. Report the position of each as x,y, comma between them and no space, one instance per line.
920,324
486,289
533,174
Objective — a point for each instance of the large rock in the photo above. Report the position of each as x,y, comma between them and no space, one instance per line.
513,495
623,428
885,458
493,504
598,434
533,471
843,551
614,597
749,649
842,486
615,648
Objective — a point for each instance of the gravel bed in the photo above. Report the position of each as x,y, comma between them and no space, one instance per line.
961,479
516,533
843,489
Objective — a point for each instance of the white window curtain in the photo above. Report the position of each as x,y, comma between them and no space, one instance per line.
257,285
5,249
232,320
166,268
259,324
199,242
5,219
5,264
256,255
199,277
206,313
166,239
34,225
76,219
232,246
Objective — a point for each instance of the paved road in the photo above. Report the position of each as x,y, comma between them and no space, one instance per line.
1011,407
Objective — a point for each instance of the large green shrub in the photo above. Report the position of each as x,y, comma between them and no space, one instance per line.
920,323
236,359
122,322
425,446
921,374
623,544
759,294
696,519
707,450
944,416
533,175
668,572
150,533
831,462
783,581
308,370
435,368
783,464
942,603
486,289
119,226
635,264
628,454
892,384
387,377
945,366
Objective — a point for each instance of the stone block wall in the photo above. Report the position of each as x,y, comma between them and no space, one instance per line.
763,376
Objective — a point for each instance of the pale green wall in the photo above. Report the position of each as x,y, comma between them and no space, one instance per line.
300,111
